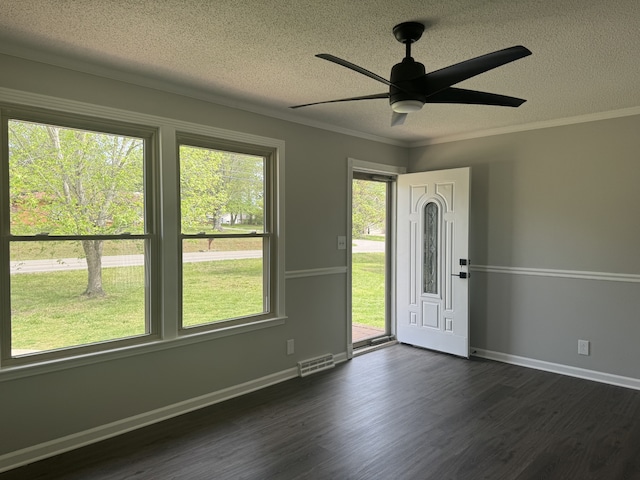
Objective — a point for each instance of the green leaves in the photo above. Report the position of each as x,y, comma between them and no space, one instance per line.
215,184
201,187
368,207
73,182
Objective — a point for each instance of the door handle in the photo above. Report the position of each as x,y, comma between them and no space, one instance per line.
461,275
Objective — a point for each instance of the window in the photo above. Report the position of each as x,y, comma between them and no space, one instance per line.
93,258
77,232
430,248
227,227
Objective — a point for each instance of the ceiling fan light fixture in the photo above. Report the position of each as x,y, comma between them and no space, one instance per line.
406,106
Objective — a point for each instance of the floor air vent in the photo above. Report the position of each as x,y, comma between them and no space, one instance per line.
317,364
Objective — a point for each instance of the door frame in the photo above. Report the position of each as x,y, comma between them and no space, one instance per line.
390,253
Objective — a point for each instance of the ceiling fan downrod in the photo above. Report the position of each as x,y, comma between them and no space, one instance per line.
403,101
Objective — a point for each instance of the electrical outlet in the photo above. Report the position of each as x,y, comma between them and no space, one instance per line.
290,347
583,347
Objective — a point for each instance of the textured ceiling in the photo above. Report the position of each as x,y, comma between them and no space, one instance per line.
259,55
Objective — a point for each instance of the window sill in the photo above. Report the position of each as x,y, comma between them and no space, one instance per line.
38,368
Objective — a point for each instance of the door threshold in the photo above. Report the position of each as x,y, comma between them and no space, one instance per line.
370,348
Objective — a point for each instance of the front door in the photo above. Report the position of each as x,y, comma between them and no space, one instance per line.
432,282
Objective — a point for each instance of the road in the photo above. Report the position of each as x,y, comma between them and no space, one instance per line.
63,264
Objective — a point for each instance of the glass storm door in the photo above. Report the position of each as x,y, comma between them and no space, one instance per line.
369,259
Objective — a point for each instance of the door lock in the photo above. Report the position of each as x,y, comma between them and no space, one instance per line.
461,275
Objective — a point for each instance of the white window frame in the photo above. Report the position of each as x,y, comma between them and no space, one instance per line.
362,166
149,236
165,299
269,254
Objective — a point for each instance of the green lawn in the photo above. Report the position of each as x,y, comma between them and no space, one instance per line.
49,312
221,290
368,293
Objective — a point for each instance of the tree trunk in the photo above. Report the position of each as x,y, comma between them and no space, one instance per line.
217,220
93,254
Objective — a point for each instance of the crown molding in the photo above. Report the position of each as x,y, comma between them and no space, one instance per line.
174,87
190,91
559,122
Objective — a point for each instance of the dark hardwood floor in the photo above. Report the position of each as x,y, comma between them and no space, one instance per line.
396,413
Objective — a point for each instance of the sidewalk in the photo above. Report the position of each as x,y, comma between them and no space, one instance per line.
360,332
50,265
64,264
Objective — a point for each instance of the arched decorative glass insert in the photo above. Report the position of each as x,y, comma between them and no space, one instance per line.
430,248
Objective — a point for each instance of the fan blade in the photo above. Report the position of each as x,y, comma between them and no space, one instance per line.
473,97
440,79
398,118
355,68
364,97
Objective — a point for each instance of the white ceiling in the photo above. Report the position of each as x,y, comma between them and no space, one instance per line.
259,54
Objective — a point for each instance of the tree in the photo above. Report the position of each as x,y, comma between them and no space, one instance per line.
74,182
214,183
368,207
244,178
203,195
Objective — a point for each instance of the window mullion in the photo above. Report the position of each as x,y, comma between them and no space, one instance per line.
5,297
224,235
171,249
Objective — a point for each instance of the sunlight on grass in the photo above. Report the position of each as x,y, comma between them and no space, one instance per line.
49,312
368,292
221,290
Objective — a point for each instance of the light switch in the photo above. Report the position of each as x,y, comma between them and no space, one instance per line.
342,242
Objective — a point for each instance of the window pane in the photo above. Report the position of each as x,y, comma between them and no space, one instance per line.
221,191
430,242
54,298
222,279
74,182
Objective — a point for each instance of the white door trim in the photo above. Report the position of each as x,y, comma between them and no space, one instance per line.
380,168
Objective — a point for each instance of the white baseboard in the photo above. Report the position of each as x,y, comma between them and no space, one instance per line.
609,378
340,357
71,442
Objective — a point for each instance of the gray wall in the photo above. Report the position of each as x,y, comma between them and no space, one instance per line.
562,199
44,407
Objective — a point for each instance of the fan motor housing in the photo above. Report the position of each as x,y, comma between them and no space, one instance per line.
402,75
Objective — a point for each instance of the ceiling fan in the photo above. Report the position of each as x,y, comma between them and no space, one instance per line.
410,87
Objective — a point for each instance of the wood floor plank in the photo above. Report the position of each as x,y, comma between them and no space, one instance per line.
395,413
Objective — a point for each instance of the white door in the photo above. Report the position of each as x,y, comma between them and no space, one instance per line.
432,286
